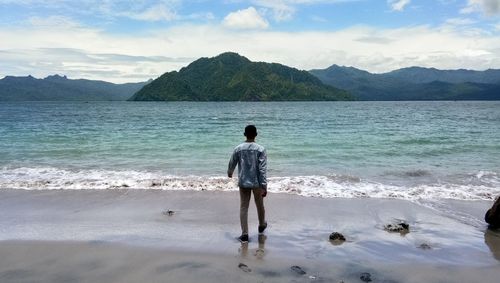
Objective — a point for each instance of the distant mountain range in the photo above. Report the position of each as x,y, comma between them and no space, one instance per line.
60,88
414,83
231,77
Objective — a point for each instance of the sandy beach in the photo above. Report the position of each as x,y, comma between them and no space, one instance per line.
127,236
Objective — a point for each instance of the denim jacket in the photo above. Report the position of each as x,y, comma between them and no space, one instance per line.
251,159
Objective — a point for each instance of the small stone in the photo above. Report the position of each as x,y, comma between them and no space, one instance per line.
244,267
401,227
168,212
297,269
425,246
336,236
365,277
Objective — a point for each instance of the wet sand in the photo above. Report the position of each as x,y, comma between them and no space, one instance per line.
125,236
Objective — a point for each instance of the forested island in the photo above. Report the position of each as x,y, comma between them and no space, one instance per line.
414,83
60,88
231,77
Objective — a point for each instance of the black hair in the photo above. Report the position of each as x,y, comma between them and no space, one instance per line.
250,131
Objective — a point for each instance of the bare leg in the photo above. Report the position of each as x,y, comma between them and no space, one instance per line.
259,203
245,195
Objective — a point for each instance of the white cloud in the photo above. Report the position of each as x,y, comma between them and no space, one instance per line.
398,5
144,10
245,19
281,10
209,16
159,12
460,21
53,22
488,7
95,54
284,10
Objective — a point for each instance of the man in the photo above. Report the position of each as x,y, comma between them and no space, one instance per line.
252,166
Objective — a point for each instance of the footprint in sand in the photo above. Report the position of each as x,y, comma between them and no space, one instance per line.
365,277
244,267
259,253
297,269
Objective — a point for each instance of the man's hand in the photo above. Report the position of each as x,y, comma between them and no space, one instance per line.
263,189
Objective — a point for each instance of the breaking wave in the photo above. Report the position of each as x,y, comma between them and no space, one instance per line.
482,185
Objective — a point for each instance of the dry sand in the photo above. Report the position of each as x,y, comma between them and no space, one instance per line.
123,236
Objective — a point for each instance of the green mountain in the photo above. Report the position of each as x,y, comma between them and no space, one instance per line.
414,83
60,88
427,75
231,77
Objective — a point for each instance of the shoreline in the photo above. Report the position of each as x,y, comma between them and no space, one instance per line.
125,235
409,184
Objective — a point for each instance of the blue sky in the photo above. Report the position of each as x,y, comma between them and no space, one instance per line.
122,41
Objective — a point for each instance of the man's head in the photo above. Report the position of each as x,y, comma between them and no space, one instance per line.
250,132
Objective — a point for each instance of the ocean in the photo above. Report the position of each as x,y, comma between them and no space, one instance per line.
409,150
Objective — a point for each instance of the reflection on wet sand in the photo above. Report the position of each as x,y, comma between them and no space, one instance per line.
492,240
259,252
243,250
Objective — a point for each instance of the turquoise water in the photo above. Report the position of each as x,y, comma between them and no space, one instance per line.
318,147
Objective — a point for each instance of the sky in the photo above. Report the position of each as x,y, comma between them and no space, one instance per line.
131,41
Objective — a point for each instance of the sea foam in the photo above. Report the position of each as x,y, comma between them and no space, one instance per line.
332,186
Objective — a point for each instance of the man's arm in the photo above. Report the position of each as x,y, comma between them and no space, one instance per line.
263,172
233,161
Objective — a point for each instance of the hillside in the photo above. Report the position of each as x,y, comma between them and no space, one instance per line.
60,88
427,75
231,77
414,83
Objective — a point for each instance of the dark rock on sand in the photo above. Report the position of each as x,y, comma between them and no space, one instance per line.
424,246
155,184
365,277
168,212
492,216
337,237
297,269
244,267
400,227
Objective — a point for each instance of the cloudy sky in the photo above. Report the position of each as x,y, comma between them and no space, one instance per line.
129,41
